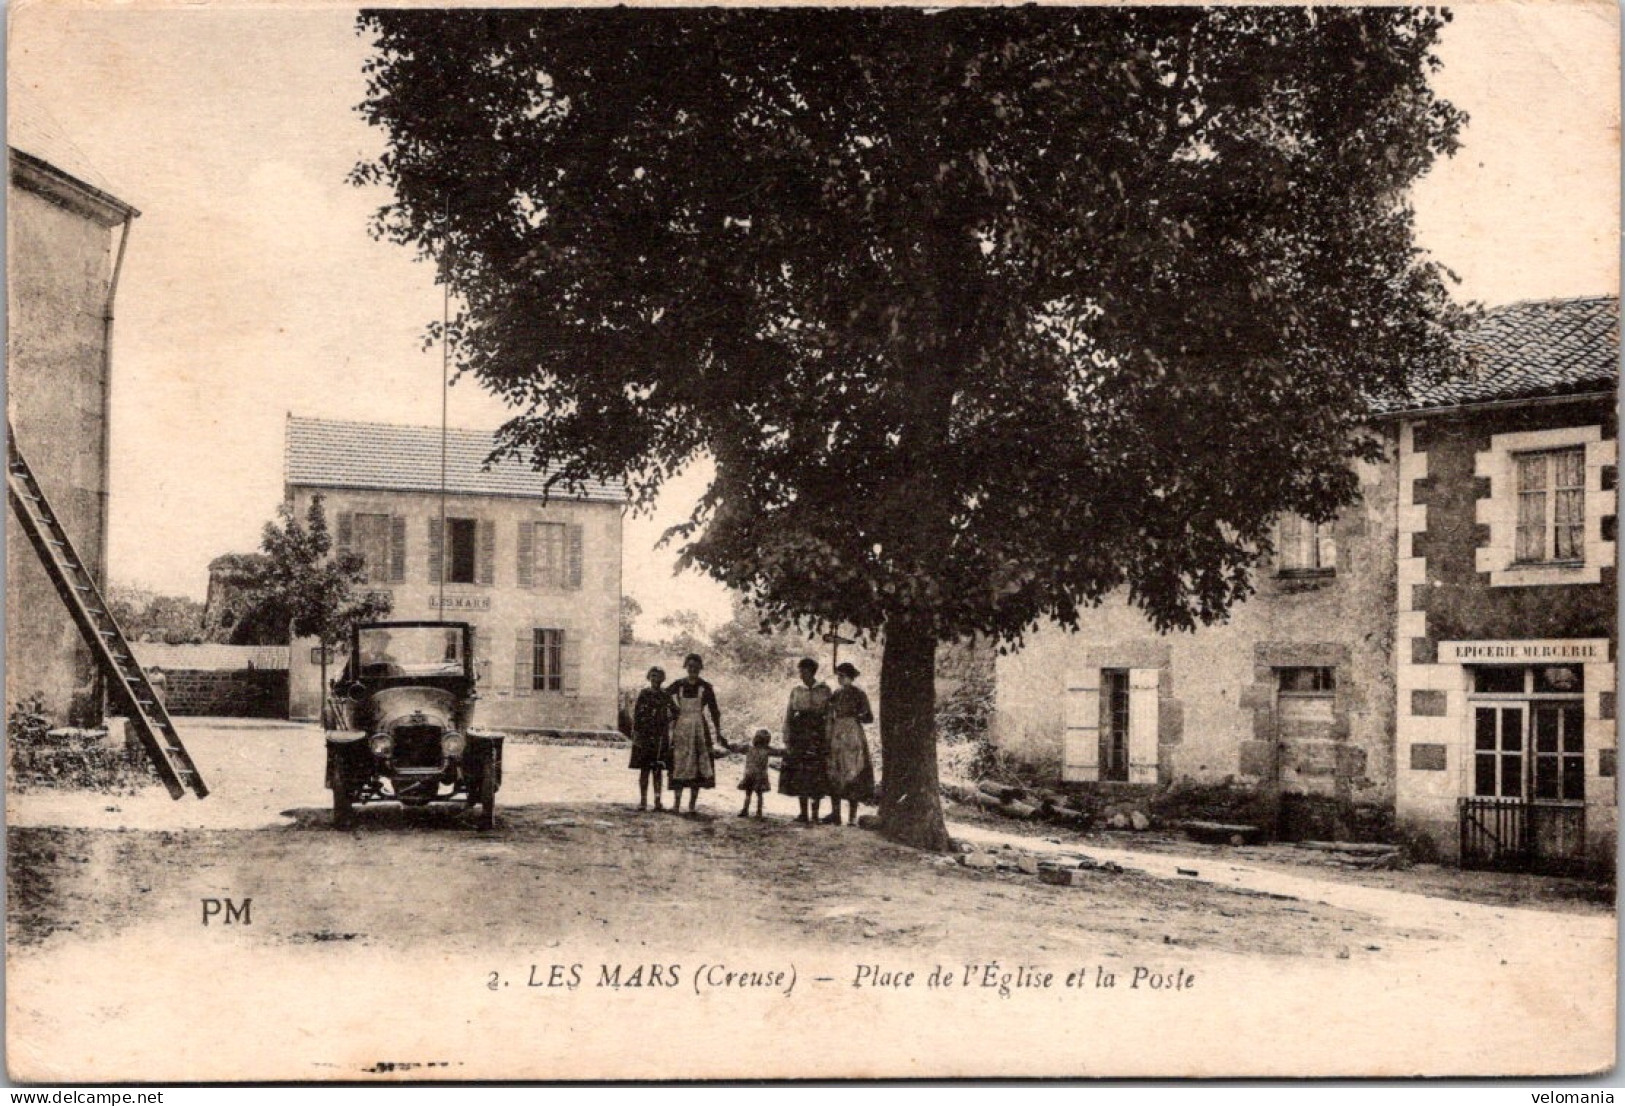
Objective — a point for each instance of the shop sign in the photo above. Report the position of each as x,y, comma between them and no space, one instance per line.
460,602
1527,651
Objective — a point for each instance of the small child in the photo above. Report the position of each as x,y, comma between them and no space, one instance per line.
756,781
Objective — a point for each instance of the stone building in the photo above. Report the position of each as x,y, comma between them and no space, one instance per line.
1381,650
539,578
1293,695
1506,630
66,234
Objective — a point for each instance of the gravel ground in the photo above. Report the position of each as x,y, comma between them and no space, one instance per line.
415,940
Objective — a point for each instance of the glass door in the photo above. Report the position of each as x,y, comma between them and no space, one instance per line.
1498,751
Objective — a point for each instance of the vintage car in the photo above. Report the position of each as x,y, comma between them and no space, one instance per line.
407,697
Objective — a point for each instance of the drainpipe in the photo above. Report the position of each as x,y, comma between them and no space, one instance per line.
100,695
107,392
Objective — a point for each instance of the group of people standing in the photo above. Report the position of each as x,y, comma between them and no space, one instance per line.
676,729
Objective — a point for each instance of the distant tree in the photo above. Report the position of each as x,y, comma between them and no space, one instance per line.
143,615
303,585
685,633
754,645
631,611
981,313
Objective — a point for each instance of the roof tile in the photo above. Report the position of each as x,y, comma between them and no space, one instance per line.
1532,349
324,453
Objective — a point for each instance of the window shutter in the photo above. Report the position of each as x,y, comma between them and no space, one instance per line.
436,558
345,537
570,651
397,549
1326,548
1142,725
527,554
573,557
486,571
524,661
1080,741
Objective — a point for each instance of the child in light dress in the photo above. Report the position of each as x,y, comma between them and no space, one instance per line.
755,781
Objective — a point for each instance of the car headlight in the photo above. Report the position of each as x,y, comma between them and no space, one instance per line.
381,744
451,743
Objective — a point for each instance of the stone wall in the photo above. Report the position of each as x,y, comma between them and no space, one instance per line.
1219,716
239,693
1460,582
60,266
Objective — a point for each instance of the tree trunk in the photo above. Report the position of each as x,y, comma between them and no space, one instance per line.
910,803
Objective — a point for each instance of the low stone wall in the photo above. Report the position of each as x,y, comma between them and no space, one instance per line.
232,693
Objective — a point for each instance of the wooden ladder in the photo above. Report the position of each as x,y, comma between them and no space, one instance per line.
101,632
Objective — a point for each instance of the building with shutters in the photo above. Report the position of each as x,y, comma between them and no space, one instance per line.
538,577
1506,631
1440,657
66,233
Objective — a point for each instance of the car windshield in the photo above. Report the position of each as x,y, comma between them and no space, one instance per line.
411,651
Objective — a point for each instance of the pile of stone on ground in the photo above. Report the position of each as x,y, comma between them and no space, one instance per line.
1061,869
1356,854
1024,804
66,757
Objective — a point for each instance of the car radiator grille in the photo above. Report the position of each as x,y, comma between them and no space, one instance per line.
417,747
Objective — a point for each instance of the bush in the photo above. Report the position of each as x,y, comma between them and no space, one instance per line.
76,759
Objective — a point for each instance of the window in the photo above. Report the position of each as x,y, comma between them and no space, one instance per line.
461,541
1114,702
1529,738
550,555
1306,681
1306,702
1551,505
371,540
547,660
380,541
550,566
1304,547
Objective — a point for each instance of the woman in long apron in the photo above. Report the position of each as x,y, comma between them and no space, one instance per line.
692,740
806,731
851,769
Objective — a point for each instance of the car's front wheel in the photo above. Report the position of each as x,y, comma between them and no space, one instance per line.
487,795
343,806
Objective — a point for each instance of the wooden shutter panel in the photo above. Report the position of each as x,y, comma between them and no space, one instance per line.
524,661
570,650
1080,740
573,555
527,554
1142,725
485,571
1326,551
344,539
397,549
437,560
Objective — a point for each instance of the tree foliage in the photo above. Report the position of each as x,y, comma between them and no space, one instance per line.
631,611
145,615
981,314
301,584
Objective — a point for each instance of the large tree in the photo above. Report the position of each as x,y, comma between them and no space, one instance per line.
981,314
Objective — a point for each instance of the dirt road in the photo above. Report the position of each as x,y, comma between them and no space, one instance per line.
582,938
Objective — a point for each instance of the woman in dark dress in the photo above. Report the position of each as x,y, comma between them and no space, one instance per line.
652,717
806,725
851,768
692,740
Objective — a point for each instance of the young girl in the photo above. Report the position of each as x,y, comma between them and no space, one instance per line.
756,781
651,736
